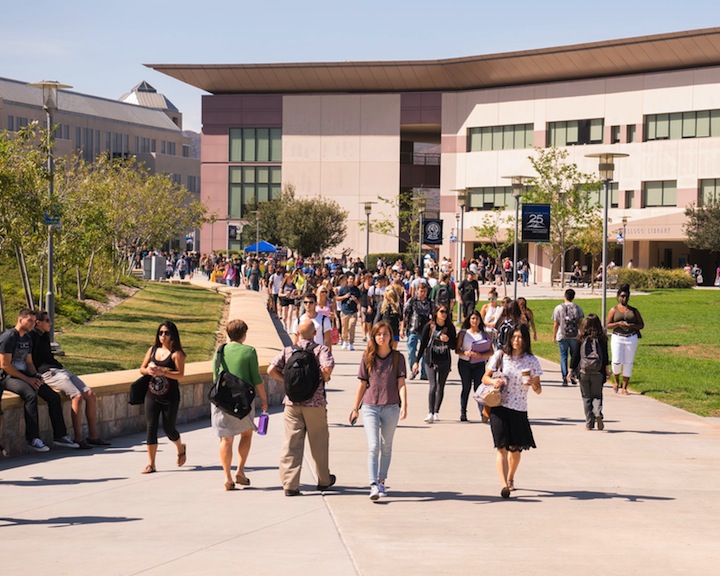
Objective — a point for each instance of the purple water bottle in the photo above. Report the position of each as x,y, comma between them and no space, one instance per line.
263,421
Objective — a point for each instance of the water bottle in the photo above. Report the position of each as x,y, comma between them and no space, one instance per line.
263,421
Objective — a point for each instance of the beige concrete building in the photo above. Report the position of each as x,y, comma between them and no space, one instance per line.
142,123
356,131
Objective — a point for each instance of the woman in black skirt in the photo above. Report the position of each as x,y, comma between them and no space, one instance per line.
513,370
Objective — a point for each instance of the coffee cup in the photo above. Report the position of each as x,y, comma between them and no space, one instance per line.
525,377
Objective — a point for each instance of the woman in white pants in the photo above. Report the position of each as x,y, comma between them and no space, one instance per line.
626,323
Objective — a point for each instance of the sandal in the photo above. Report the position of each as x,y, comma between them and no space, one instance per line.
229,486
511,485
149,469
241,479
182,456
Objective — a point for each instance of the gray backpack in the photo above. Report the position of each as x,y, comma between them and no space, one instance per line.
590,360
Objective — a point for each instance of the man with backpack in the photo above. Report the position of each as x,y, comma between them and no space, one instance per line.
443,294
304,368
566,327
468,291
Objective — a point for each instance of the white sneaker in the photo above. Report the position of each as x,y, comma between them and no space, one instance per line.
374,492
344,345
429,418
351,347
381,490
436,417
38,445
65,442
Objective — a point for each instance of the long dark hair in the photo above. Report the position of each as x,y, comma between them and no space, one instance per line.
592,328
466,322
175,345
525,334
372,347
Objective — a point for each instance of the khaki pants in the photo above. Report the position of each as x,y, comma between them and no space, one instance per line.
348,327
299,421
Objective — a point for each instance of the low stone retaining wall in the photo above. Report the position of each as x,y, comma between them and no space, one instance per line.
116,417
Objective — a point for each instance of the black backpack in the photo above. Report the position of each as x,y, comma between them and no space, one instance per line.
229,393
502,333
571,321
301,374
442,296
590,360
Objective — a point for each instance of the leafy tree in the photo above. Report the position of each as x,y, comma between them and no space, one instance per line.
590,241
499,231
403,222
567,190
702,226
310,225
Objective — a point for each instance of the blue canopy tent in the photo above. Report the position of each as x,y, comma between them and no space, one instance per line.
261,246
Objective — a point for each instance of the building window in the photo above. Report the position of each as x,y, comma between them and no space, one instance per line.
255,145
659,193
708,191
153,145
573,132
678,125
631,129
193,184
597,197
509,137
186,151
629,198
614,134
490,197
170,149
250,185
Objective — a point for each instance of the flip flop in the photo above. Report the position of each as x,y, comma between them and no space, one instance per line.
149,469
182,456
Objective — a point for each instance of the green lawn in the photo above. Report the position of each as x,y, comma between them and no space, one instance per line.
677,360
119,339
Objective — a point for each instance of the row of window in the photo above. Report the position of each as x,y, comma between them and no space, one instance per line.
654,194
678,125
88,141
251,185
255,145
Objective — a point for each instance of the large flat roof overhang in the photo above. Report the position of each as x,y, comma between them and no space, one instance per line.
643,54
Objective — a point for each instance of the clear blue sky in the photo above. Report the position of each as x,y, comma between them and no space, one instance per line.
99,48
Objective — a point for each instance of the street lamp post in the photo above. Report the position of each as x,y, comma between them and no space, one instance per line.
50,89
517,190
606,167
257,233
461,200
368,210
624,229
421,204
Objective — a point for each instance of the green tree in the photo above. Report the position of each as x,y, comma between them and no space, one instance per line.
702,226
310,225
404,222
567,190
498,234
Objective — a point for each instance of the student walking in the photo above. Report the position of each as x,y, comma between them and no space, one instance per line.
591,358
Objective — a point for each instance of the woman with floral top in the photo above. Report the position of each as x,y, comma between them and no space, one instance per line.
513,370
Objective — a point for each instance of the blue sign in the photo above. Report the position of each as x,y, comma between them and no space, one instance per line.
536,222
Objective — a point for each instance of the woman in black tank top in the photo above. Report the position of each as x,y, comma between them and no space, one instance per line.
626,323
164,363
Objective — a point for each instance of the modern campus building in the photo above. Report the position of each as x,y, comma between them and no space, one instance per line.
356,131
142,123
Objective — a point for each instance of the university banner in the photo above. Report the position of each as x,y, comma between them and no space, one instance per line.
535,223
432,231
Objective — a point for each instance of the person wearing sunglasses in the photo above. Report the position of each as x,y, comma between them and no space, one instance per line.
164,362
323,325
437,339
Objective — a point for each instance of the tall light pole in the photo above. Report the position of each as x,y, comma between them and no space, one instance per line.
624,229
257,233
421,205
517,190
368,210
461,200
50,89
606,167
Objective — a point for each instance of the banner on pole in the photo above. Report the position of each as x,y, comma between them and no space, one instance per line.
432,231
536,222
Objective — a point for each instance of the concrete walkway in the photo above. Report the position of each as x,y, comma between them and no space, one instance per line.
642,497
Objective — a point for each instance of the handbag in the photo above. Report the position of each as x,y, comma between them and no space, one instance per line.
229,393
487,394
335,335
138,389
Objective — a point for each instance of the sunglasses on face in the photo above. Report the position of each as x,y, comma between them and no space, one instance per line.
442,311
306,302
163,333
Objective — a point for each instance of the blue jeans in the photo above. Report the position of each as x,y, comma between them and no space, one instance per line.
380,423
567,349
413,341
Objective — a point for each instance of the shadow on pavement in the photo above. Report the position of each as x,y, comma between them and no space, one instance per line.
42,481
65,521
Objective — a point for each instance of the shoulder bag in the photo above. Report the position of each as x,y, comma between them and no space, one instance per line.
487,394
229,393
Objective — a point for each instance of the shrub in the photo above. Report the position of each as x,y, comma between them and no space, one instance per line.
654,278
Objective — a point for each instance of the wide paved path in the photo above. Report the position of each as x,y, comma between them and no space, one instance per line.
642,497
